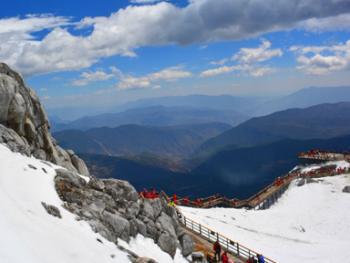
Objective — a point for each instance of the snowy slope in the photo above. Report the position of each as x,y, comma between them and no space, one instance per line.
310,223
29,234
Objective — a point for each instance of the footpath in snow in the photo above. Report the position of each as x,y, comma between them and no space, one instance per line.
309,223
29,234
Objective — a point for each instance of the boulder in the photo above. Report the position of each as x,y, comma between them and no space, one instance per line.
166,223
52,210
119,225
22,112
167,243
187,245
198,257
346,189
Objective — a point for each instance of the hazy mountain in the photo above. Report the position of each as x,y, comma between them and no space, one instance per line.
241,172
223,102
128,140
304,98
157,116
235,173
320,121
140,175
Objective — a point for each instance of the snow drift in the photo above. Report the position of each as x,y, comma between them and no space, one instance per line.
309,223
31,235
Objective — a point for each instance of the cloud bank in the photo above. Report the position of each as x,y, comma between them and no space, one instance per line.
248,59
320,60
150,25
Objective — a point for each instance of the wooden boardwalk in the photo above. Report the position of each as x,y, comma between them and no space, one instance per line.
206,247
268,196
204,238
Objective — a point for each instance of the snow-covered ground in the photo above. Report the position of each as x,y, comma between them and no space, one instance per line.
29,234
310,223
309,168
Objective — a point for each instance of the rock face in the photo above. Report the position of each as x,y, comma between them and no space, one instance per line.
114,209
111,207
24,126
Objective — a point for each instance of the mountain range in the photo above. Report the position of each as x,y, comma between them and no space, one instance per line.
155,116
174,142
320,121
235,173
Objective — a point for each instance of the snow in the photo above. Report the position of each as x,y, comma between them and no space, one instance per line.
339,164
310,223
146,247
29,234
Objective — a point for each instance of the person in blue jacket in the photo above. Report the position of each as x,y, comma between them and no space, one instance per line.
261,259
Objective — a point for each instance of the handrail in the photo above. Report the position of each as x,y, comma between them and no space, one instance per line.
254,200
231,246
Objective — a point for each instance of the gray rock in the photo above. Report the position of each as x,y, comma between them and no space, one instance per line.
133,209
111,207
301,182
157,206
79,165
144,260
73,178
133,227
22,112
120,226
52,210
198,257
100,228
141,227
187,244
166,223
152,230
96,184
167,243
147,209
311,181
346,189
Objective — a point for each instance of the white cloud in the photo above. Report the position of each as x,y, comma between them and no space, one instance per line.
29,24
259,54
89,77
248,59
218,71
319,60
163,23
168,74
340,22
220,62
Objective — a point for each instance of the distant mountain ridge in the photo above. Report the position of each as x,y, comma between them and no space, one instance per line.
128,140
220,102
235,173
320,121
156,116
305,98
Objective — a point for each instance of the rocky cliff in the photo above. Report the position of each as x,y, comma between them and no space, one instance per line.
24,125
113,208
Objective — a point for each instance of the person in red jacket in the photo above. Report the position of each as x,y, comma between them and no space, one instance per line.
217,250
224,257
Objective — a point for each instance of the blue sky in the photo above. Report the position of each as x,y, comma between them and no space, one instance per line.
98,54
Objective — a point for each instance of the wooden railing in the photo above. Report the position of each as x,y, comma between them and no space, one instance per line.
236,249
324,155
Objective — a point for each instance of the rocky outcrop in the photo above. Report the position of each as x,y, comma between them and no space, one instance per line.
113,209
24,126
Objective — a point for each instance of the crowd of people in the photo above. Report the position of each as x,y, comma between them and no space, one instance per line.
149,194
